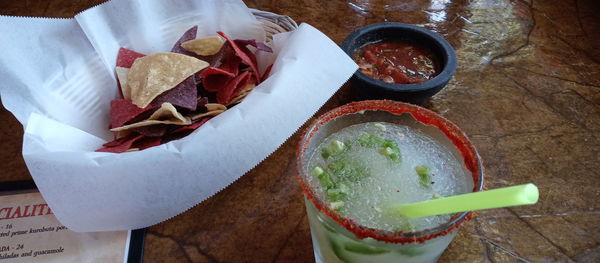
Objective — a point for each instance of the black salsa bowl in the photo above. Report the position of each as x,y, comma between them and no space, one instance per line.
365,87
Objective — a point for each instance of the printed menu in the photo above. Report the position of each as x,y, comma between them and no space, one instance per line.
29,232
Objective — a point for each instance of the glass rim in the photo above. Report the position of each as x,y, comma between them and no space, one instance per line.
472,162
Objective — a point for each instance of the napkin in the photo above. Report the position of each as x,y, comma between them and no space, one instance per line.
58,80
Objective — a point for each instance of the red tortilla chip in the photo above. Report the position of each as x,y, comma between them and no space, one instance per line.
153,130
230,62
119,145
188,35
267,72
213,70
241,85
183,95
243,55
122,111
252,57
213,79
126,57
225,94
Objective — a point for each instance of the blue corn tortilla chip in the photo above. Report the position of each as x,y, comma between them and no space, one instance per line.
183,95
188,35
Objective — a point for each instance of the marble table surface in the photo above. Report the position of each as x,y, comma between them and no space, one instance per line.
527,93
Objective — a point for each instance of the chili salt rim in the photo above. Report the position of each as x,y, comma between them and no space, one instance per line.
471,158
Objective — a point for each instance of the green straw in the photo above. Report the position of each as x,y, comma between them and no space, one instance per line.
525,194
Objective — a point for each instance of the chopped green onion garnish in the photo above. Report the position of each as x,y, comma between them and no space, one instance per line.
395,157
325,152
317,171
337,146
325,180
422,169
335,194
424,176
387,151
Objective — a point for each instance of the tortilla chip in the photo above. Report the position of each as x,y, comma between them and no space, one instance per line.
153,130
202,101
130,144
213,60
267,72
210,109
230,62
183,95
242,94
166,114
225,94
244,55
245,84
126,57
122,82
146,142
213,79
207,46
238,99
119,145
214,106
149,123
154,74
210,113
192,126
187,36
122,111
216,71
122,134
252,57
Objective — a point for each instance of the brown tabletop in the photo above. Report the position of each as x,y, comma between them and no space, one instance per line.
527,93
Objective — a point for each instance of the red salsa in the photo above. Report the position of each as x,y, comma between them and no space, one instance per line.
396,62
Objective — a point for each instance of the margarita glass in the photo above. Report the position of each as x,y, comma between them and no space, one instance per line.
339,237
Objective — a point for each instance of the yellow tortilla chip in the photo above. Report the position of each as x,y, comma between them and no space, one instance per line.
238,99
213,109
204,46
210,113
122,78
214,106
167,112
154,74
